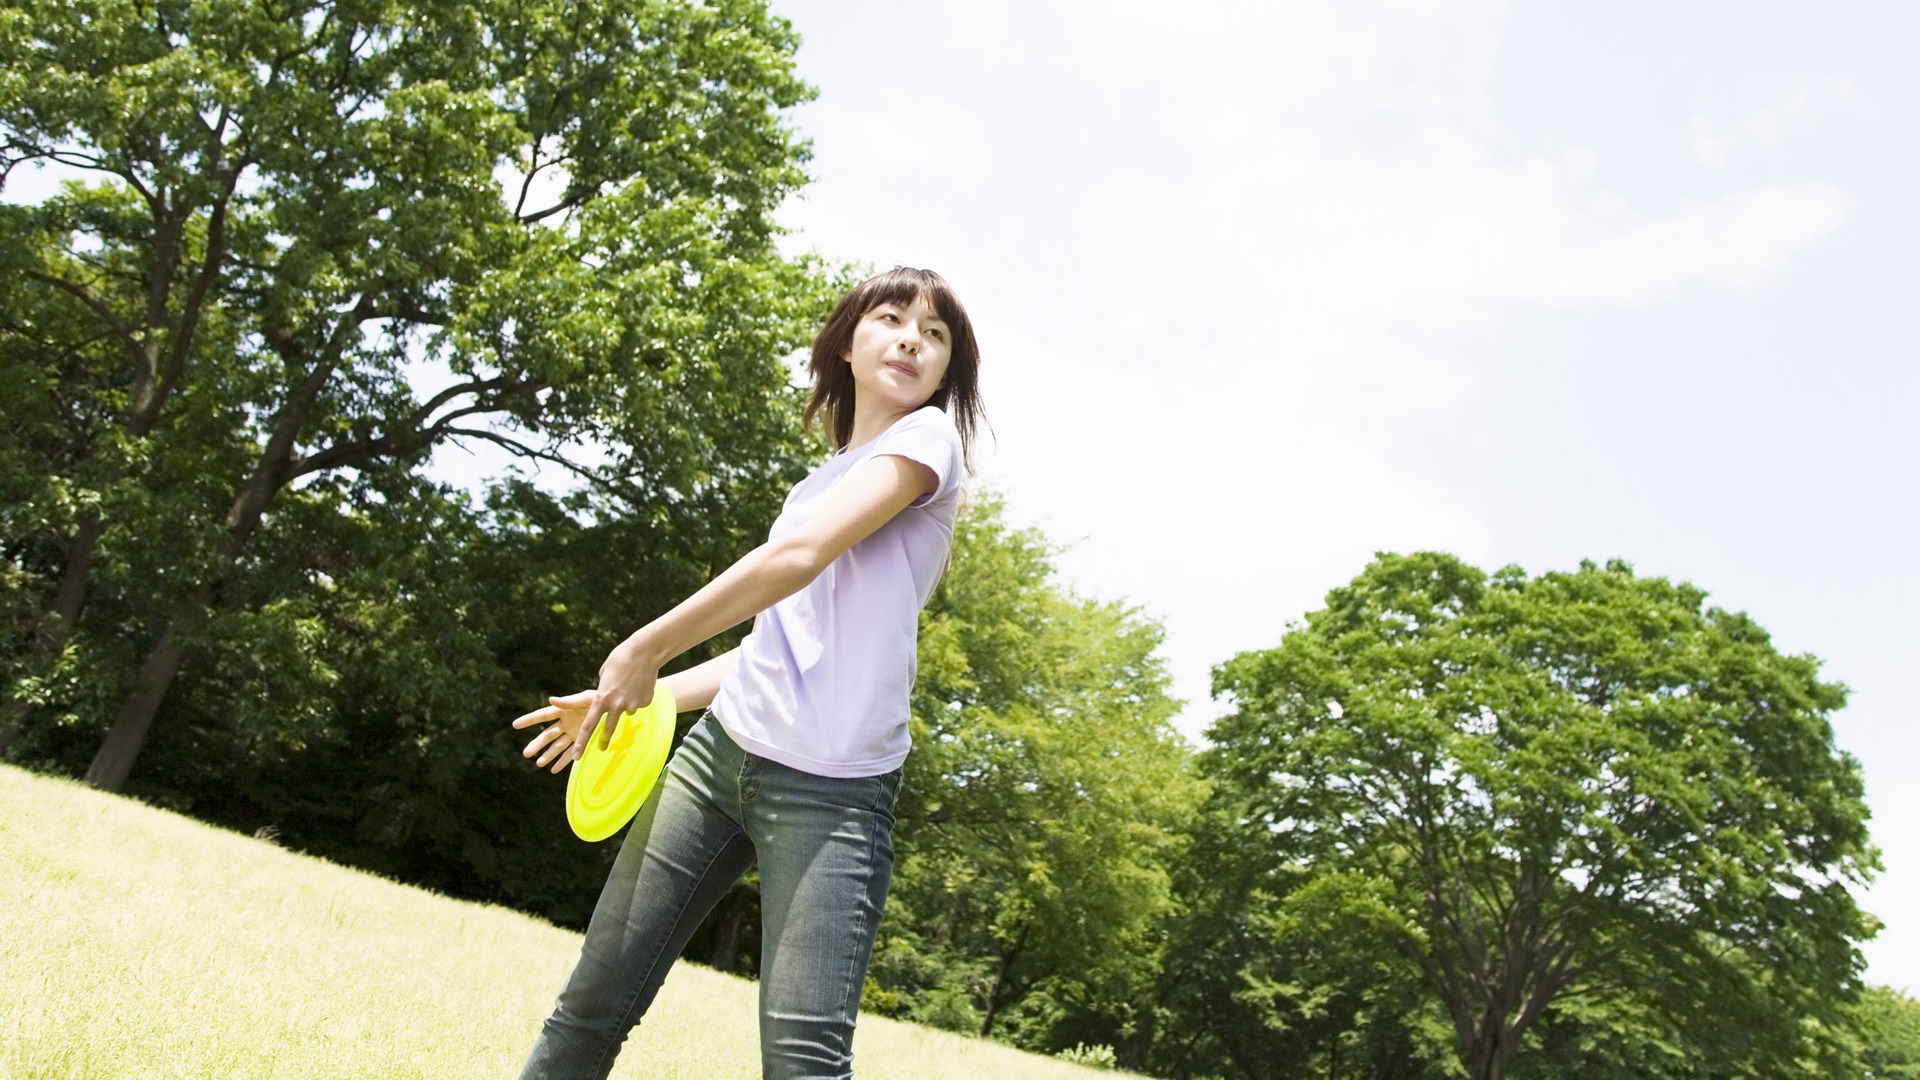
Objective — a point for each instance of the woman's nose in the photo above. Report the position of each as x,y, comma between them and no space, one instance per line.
910,343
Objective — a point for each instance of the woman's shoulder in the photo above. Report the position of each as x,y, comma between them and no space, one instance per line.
928,423
927,418
926,435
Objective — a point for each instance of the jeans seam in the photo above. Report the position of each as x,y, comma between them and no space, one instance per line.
849,999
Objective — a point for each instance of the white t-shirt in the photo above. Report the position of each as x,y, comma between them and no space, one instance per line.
822,680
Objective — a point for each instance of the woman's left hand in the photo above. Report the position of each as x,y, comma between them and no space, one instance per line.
562,717
626,684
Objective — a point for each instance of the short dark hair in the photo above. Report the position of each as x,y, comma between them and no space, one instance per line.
959,393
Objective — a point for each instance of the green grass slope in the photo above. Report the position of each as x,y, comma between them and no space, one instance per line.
137,943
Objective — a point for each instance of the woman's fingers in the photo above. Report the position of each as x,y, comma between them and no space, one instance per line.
542,739
587,728
602,722
608,721
558,744
550,744
537,716
586,735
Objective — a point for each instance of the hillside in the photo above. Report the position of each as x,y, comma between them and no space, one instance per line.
143,944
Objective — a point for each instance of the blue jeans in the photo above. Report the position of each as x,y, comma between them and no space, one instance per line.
825,849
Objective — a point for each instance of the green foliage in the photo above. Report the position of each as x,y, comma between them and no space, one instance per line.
1584,800
1045,798
1094,1057
316,241
1889,1027
1272,976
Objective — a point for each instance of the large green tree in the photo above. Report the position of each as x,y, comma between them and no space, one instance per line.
1044,803
1583,809
309,242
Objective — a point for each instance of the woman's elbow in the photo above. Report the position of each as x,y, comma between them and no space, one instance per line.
794,564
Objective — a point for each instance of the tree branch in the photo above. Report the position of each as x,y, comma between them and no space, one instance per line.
421,414
560,207
272,471
97,306
176,360
347,453
91,163
534,167
419,433
522,450
409,312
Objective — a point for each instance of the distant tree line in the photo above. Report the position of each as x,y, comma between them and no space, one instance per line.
1454,824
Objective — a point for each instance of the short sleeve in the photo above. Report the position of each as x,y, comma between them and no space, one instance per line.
928,437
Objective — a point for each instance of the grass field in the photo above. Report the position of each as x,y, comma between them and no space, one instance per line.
137,943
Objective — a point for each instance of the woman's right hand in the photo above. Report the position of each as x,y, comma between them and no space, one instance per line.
563,717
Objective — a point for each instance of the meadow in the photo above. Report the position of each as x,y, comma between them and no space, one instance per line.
138,943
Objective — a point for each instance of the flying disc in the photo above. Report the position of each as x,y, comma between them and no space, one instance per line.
607,786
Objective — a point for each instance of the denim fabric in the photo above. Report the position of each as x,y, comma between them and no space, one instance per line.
825,851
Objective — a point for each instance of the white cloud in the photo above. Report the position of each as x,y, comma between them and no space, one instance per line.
1723,134
1226,259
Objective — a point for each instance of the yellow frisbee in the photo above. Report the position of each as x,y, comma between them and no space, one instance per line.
607,786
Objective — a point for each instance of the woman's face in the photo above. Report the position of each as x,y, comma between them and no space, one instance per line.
899,353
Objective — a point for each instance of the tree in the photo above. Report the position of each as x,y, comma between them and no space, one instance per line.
1044,801
1890,1034
321,239
1565,799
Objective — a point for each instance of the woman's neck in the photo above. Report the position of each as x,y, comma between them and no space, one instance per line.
872,418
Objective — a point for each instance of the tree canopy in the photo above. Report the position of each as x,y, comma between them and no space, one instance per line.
1581,806
309,243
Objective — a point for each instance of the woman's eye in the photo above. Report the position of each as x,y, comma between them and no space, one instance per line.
937,335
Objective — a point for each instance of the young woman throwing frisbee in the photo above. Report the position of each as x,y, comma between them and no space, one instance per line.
796,763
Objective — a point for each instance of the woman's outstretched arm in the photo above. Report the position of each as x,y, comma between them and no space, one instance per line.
696,687
865,499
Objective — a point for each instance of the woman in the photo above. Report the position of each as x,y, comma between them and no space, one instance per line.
796,764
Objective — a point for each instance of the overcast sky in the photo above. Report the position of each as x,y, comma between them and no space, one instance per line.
1265,288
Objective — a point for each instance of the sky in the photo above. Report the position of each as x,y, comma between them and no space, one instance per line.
1266,288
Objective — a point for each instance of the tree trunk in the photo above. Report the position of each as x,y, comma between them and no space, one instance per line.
993,1007
994,1000
128,735
13,717
1492,1052
69,600
129,732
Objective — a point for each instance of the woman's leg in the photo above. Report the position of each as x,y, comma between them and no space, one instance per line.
684,850
826,858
